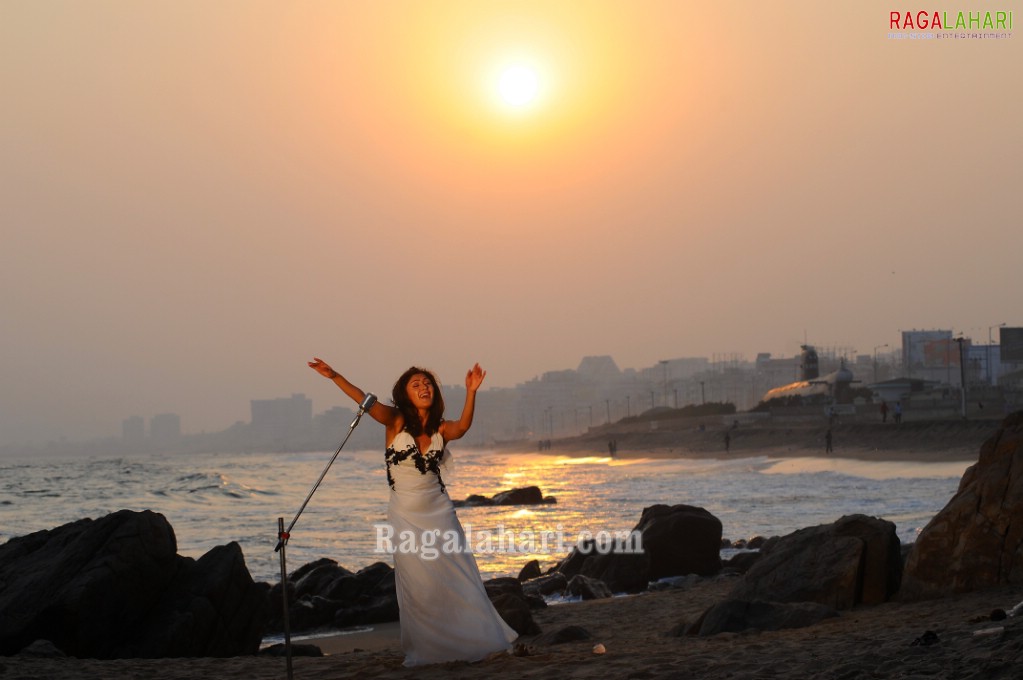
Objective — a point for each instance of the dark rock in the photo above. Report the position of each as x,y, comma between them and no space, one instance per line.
278,650
313,578
622,572
756,543
855,560
680,539
741,562
42,649
530,570
380,609
529,495
976,540
563,635
472,501
331,595
621,564
546,585
588,588
115,588
516,613
736,616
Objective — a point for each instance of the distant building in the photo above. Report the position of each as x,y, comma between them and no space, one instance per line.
284,422
133,429
932,356
165,427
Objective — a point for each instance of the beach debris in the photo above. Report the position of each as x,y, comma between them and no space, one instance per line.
926,640
599,648
989,632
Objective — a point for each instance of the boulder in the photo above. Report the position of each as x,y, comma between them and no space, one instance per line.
680,539
588,588
528,495
976,540
623,572
322,593
856,560
618,564
516,613
548,584
563,635
115,587
735,616
530,570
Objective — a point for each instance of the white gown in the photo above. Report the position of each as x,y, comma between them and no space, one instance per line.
444,609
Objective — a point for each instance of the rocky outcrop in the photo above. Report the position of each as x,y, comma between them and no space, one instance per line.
617,564
680,539
324,594
115,587
513,604
856,560
668,541
976,540
588,588
528,495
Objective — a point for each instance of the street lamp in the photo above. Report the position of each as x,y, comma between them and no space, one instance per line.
664,363
875,359
962,374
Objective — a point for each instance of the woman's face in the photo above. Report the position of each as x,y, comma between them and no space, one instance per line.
420,391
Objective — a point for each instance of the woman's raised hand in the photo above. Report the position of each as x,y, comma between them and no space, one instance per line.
323,368
474,378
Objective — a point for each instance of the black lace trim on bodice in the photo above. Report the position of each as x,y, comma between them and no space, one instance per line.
425,462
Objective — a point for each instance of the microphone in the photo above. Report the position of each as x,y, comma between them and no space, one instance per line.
367,402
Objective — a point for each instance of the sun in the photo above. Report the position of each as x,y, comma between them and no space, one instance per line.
518,86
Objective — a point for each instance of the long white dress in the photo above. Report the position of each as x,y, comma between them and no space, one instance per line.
444,609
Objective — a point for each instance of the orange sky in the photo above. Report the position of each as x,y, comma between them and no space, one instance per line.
196,197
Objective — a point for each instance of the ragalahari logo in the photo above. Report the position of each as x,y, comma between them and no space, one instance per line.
944,24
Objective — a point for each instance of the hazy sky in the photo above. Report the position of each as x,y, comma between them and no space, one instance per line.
198,196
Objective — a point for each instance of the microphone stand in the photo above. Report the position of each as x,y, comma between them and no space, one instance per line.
284,534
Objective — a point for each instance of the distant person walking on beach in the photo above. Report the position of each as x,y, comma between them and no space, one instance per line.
884,411
898,412
728,442
827,442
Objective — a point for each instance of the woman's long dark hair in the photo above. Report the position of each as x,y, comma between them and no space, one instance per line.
399,394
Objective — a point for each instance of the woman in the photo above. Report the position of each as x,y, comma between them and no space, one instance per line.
444,609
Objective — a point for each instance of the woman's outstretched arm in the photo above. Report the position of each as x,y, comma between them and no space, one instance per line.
454,429
381,413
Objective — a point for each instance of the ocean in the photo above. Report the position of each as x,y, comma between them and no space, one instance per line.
212,499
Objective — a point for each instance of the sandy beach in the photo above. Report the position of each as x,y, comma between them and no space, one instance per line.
640,633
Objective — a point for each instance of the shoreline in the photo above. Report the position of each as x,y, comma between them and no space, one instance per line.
913,441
